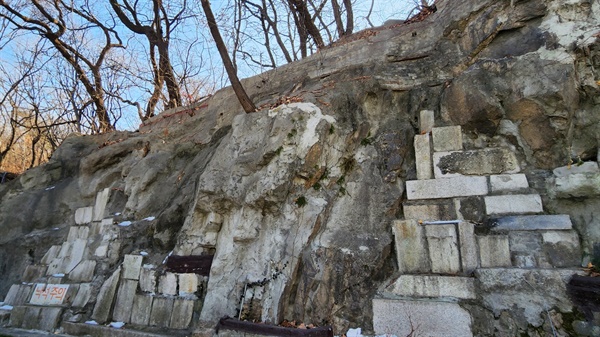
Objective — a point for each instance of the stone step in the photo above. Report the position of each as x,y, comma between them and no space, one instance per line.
513,204
410,317
36,317
462,186
433,286
532,223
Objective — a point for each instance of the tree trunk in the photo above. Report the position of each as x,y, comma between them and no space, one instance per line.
233,78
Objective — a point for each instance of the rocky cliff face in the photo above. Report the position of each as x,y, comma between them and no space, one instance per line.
296,201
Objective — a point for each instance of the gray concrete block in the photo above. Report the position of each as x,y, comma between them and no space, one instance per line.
426,121
494,251
76,255
49,318
31,320
83,296
468,247
100,205
562,248
411,247
11,296
148,279
433,286
18,294
428,318
446,188
167,284
142,307
83,272
124,301
183,309
102,309
17,315
84,215
51,254
440,210
586,167
33,272
423,161
447,138
513,204
533,223
131,267
161,312
508,182
474,162
78,232
443,248
188,284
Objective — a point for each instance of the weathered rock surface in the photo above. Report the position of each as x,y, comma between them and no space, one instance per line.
296,202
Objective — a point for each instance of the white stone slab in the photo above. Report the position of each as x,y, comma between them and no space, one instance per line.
49,294
494,251
434,286
78,232
148,279
76,255
83,295
446,188
428,318
586,167
443,248
84,215
411,247
426,121
142,306
533,223
181,317
188,284
83,272
12,295
51,254
423,162
513,204
447,138
105,297
131,266
124,302
508,182
168,284
468,247
100,206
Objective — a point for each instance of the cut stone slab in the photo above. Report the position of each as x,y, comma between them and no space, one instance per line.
83,295
76,255
11,297
533,223
18,294
423,161
494,251
78,232
100,206
51,254
124,302
508,182
447,138
161,312
17,315
84,215
430,318
181,317
49,318
84,272
411,247
562,248
142,307
131,267
446,188
586,167
468,247
434,286
442,210
168,284
31,319
443,248
106,295
49,294
474,162
148,278
188,284
576,185
426,121
33,272
513,204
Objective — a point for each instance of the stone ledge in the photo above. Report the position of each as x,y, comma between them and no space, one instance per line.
433,286
80,329
532,223
513,204
446,188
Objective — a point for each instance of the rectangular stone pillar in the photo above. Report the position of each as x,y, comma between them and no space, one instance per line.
411,247
423,156
443,248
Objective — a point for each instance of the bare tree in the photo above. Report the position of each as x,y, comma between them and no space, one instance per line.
157,25
49,19
241,94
